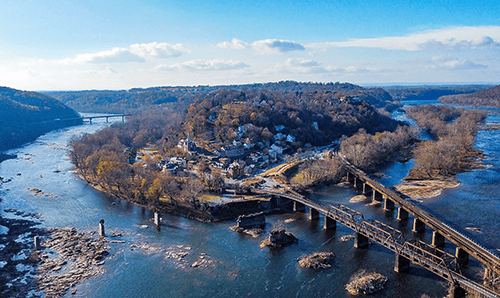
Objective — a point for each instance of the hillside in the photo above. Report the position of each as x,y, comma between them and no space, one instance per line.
488,98
430,92
26,115
314,117
138,99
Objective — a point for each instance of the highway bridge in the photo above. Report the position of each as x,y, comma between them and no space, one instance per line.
417,252
90,118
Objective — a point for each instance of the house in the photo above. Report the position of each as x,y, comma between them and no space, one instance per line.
276,149
231,151
187,145
290,138
279,127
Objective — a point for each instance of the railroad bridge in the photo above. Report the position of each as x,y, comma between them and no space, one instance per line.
429,256
421,219
417,252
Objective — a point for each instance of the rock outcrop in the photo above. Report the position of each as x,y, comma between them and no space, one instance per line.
364,283
317,260
278,237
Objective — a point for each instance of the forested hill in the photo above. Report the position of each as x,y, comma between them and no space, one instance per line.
26,115
129,101
488,97
430,92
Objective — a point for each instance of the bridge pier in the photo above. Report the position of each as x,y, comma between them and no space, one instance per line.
90,120
388,204
298,207
437,239
402,264
355,184
360,241
123,118
367,188
347,177
376,196
107,119
462,256
330,223
313,214
418,226
402,214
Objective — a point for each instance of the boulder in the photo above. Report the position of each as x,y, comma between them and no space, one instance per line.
278,237
317,260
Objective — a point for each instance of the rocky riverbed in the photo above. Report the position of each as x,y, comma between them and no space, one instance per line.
65,257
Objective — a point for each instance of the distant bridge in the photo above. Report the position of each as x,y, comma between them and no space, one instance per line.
90,118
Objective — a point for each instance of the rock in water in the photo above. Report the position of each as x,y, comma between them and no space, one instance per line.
278,237
317,260
364,282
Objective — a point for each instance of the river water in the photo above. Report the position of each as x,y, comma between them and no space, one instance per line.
239,267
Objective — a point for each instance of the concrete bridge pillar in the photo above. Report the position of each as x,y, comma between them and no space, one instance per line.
156,219
107,118
367,188
360,241
90,120
36,243
355,183
402,264
388,204
123,118
330,223
347,176
101,228
437,239
376,196
418,226
313,214
402,214
298,207
462,256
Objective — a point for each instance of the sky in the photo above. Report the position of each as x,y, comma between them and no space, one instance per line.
87,44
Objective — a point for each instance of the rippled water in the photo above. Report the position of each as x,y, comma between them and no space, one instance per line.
240,268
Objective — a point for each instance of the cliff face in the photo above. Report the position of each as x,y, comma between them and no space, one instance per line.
26,115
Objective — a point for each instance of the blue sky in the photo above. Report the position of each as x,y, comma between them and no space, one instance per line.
74,45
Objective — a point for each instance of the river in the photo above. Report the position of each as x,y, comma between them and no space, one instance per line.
238,267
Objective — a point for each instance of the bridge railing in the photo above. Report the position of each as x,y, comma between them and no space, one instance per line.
418,252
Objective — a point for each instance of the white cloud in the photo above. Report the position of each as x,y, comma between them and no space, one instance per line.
276,46
235,44
158,50
457,38
451,63
300,65
135,53
308,66
200,64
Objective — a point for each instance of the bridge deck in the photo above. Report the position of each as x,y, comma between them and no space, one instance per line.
479,252
418,252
